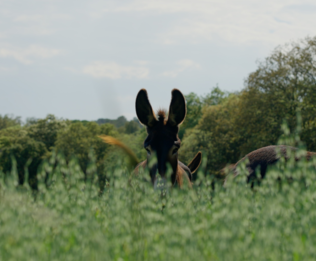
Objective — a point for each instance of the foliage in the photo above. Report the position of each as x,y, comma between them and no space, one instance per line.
83,122
194,109
195,105
38,139
229,126
215,97
136,142
214,135
18,148
7,121
130,127
45,130
119,122
69,220
30,121
77,140
283,84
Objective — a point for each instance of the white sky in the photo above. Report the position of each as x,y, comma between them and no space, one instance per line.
88,59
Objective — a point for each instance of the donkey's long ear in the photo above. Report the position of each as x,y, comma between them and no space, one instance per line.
196,162
144,111
177,109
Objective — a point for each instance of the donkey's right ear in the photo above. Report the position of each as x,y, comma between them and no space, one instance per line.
144,111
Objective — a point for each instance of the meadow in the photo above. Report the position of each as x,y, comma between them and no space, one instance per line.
68,218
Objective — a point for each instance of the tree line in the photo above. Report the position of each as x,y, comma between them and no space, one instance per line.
224,125
29,145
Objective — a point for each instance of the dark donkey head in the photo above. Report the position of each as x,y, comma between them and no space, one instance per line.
162,139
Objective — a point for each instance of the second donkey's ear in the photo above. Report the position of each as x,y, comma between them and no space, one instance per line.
144,110
195,163
177,109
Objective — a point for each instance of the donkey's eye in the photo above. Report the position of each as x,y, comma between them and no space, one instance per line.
175,151
148,151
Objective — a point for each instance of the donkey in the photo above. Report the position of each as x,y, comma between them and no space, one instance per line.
137,165
183,171
163,140
263,158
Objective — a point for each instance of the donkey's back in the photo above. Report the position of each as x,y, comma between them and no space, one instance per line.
266,156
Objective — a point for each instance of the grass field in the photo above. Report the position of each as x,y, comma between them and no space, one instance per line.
69,220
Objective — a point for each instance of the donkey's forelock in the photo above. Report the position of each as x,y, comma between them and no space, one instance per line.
162,116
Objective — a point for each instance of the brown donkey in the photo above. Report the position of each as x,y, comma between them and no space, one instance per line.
162,140
264,157
133,160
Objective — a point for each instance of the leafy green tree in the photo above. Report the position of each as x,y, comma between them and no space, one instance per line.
283,84
136,142
194,111
45,130
84,122
77,140
30,121
233,125
195,105
15,142
131,127
119,122
7,121
215,97
215,135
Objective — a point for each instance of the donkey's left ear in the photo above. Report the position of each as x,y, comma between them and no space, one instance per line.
177,109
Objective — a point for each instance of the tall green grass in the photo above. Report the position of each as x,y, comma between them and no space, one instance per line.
69,219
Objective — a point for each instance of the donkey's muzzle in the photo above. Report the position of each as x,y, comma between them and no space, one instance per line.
160,183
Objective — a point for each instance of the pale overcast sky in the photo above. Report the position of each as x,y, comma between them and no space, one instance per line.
88,59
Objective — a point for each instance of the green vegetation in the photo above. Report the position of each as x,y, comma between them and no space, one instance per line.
32,144
66,195
68,219
6,121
